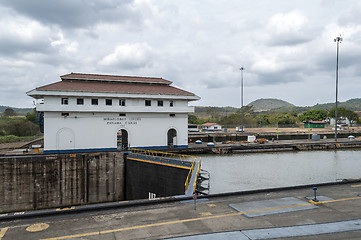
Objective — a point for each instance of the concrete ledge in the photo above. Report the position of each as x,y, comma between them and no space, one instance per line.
144,202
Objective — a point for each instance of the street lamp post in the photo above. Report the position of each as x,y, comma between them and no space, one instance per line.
242,113
338,40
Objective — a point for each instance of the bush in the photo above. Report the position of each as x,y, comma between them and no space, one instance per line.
17,126
30,117
22,128
10,138
9,112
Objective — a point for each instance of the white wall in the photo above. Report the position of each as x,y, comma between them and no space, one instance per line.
53,103
98,130
213,127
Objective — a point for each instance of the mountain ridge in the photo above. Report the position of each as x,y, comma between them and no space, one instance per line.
272,104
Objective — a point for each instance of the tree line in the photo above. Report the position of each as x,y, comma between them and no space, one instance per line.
254,119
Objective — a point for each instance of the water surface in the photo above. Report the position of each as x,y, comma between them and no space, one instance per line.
250,171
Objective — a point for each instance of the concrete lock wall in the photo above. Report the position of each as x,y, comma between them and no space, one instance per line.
47,181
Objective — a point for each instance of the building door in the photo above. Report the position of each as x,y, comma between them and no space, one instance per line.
122,139
65,139
172,138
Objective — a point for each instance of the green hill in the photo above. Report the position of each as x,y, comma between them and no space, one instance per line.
352,104
263,105
276,105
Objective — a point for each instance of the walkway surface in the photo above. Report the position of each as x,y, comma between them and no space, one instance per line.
285,214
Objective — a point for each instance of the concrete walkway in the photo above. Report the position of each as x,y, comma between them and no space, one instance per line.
282,214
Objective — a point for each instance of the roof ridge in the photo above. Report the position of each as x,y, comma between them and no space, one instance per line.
113,78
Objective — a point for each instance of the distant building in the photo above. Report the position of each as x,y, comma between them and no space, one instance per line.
211,127
342,121
314,124
91,112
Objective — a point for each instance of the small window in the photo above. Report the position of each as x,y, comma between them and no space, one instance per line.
122,102
148,103
80,101
108,102
171,103
160,103
65,101
65,114
172,115
94,101
122,114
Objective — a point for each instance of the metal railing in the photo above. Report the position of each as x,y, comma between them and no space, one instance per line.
186,183
164,157
177,160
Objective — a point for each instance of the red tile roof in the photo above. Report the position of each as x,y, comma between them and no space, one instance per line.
209,124
117,84
114,78
315,122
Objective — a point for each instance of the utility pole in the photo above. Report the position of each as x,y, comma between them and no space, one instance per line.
242,112
338,40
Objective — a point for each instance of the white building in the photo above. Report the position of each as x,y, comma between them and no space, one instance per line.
211,127
342,121
89,112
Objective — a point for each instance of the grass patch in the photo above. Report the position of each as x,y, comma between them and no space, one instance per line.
13,138
10,138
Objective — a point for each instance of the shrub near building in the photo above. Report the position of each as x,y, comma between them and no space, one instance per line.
16,128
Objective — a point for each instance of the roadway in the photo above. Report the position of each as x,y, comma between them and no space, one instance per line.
276,214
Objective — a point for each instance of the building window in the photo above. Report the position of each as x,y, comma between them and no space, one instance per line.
65,101
148,103
122,114
172,115
94,101
160,103
108,102
80,101
122,102
171,103
65,114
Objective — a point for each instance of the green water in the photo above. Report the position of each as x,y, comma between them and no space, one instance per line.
250,171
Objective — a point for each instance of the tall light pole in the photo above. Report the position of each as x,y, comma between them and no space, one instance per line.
242,113
338,40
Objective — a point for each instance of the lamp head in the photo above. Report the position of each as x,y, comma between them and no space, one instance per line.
338,39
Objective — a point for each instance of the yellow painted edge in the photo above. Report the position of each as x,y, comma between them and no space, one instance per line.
65,209
189,220
3,232
205,213
38,227
314,202
165,164
356,185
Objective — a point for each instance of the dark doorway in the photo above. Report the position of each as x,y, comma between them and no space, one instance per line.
172,138
122,139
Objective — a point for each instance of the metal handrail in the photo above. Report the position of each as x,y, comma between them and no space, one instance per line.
186,184
183,160
165,156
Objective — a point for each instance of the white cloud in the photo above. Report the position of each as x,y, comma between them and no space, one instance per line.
288,29
285,46
135,55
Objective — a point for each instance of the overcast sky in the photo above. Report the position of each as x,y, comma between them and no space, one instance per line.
286,46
